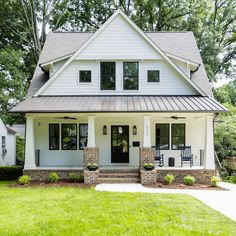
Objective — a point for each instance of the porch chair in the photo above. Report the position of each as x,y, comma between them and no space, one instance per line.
159,158
186,155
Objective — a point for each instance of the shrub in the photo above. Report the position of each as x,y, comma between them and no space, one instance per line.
169,179
214,181
233,179
81,178
53,177
24,179
189,180
73,177
10,172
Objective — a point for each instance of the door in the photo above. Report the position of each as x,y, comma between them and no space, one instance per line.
120,144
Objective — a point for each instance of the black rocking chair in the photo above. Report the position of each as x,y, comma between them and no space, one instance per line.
159,158
186,155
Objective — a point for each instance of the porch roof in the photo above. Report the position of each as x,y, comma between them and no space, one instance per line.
118,104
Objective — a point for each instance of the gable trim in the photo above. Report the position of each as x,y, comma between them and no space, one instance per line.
158,49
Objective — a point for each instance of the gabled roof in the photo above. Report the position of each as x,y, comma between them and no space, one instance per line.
140,32
183,44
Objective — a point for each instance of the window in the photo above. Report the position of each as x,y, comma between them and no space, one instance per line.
69,136
178,136
130,76
108,75
85,76
83,136
4,146
153,76
53,136
162,136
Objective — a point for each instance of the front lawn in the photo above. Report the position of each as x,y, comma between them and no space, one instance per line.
76,211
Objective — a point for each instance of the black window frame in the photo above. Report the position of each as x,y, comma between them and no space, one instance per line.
80,76
148,71
107,75
131,76
76,136
172,137
80,136
168,136
49,136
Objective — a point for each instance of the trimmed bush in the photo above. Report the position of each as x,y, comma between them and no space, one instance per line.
169,179
81,178
214,181
10,172
73,177
189,180
24,179
53,177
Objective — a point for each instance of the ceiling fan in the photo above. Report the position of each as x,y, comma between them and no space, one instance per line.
175,117
66,118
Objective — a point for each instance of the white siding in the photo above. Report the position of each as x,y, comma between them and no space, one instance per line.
10,157
195,136
171,83
119,40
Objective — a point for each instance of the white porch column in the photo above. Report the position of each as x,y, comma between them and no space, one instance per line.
29,144
209,155
91,132
147,132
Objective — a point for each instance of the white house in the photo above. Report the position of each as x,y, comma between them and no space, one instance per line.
7,146
116,91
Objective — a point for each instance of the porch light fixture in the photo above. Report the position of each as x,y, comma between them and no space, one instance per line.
120,130
134,130
104,130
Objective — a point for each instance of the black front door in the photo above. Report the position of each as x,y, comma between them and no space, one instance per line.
120,144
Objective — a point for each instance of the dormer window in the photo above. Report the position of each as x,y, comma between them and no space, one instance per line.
85,76
153,76
108,75
130,75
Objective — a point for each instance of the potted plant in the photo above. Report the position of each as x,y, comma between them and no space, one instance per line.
148,166
92,166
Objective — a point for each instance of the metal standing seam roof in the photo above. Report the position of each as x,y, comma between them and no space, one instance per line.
119,104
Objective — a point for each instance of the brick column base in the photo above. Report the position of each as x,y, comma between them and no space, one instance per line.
91,177
91,155
148,177
146,155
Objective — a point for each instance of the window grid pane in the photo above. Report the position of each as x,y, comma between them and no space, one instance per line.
53,136
85,76
83,136
153,76
108,75
130,75
178,136
69,136
162,136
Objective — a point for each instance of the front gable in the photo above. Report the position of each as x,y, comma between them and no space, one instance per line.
119,39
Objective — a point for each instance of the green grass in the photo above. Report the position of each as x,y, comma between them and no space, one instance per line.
75,211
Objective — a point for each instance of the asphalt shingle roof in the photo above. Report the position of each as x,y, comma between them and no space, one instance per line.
182,44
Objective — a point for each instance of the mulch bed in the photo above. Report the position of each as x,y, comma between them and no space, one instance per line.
48,184
196,186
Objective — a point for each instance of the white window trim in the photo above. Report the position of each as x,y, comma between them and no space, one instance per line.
153,83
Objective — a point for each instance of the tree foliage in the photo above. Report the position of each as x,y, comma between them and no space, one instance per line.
24,25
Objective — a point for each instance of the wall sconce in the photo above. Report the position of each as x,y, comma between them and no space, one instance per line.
134,130
104,130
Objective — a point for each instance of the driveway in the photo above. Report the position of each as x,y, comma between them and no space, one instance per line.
222,201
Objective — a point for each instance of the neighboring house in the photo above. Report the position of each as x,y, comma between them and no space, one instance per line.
118,92
7,146
19,129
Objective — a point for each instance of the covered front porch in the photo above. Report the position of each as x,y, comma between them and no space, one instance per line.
58,140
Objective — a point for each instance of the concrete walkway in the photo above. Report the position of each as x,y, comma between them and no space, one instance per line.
222,201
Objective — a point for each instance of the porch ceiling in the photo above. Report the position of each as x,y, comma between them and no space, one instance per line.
119,104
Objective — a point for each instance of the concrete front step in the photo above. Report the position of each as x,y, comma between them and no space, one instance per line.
119,180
